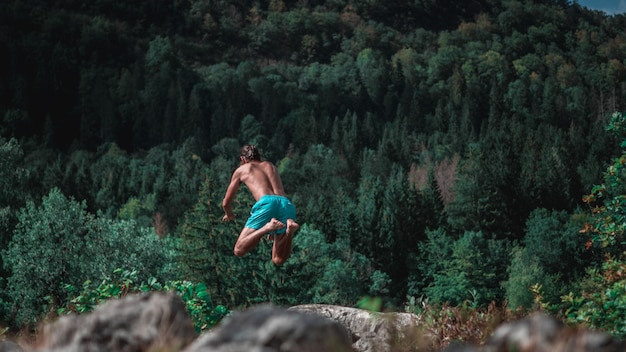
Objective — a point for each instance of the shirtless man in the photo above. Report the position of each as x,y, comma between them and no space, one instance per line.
272,214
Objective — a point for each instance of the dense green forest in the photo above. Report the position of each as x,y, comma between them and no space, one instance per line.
446,150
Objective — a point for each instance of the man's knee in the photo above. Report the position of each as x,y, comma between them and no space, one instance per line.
239,251
279,260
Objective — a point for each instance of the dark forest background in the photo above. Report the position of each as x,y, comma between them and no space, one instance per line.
434,149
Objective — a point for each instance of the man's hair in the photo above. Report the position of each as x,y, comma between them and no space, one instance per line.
250,152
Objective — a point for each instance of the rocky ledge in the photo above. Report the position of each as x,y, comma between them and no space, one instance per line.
158,322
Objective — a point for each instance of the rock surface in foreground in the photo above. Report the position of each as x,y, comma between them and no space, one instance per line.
371,331
271,329
154,322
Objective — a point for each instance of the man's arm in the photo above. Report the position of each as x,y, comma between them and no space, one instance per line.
227,203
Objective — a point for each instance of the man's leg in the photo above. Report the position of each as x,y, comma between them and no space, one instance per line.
249,238
281,251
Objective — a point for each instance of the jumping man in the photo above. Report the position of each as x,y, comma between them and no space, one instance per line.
272,214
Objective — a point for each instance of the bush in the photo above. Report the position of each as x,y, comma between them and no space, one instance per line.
453,271
464,324
602,304
58,242
552,246
123,282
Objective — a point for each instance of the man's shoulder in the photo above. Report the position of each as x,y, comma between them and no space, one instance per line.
242,169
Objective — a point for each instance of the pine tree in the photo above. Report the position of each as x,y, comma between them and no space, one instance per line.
206,247
206,254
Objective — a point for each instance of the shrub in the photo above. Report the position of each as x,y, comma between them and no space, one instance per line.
602,304
123,282
58,242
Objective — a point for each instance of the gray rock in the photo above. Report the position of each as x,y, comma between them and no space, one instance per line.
143,322
9,346
536,332
542,333
374,332
158,322
271,329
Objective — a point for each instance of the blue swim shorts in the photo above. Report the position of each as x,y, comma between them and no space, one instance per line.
268,207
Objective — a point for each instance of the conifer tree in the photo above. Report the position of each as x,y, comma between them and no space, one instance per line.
206,247
206,254
552,254
456,271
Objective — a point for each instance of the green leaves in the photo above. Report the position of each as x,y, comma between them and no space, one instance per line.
602,304
316,272
123,282
454,271
42,251
608,200
58,243
198,303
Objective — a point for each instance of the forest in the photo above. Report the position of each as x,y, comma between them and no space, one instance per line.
449,152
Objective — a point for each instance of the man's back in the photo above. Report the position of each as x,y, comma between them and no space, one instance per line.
261,178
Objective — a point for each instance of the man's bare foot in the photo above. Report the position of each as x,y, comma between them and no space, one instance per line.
292,227
273,225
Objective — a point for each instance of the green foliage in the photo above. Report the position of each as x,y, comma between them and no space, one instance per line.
464,324
317,271
121,283
58,242
251,132
387,228
454,271
184,177
335,273
205,253
319,181
347,94
198,302
159,52
607,199
133,209
161,182
12,173
545,167
373,73
13,181
524,272
601,305
373,304
552,254
43,252
107,177
554,238
124,282
483,190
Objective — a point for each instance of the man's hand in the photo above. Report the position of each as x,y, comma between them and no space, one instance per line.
229,215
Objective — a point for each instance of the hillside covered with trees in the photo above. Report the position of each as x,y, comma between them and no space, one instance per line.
449,151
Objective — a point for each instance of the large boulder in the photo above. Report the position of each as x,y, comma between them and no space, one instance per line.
136,323
268,328
372,331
